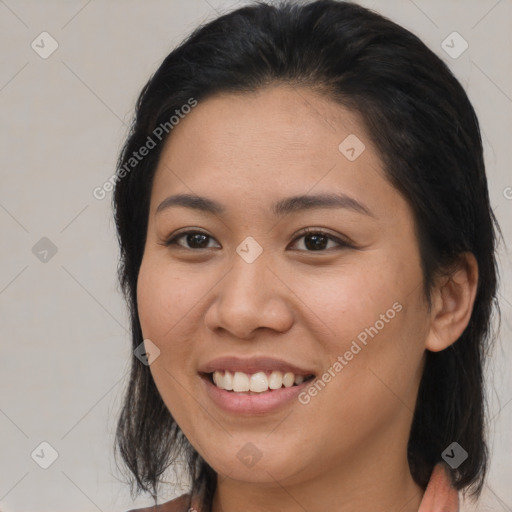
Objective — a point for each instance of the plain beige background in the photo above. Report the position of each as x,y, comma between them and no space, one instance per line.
65,348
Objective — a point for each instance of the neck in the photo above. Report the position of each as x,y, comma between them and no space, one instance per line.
385,485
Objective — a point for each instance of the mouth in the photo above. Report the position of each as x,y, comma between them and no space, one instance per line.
255,383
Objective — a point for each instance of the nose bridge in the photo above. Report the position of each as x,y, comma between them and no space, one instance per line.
248,272
245,290
248,297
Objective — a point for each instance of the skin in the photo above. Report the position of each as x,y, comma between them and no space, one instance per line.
346,449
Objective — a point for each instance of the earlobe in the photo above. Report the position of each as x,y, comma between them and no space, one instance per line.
452,304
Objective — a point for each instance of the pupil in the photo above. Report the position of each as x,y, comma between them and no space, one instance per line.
316,244
314,241
197,236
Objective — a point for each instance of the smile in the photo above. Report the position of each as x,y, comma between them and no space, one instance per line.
254,385
259,382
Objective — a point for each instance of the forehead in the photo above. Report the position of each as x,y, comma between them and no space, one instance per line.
274,142
280,118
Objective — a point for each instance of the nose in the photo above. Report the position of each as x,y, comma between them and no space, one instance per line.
251,296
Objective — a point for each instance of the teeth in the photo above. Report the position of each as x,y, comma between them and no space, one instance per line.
240,382
288,379
257,382
275,380
218,379
228,381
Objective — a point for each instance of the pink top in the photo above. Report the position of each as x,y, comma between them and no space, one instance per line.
439,496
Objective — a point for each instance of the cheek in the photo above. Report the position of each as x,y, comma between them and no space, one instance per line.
164,299
376,320
350,300
163,302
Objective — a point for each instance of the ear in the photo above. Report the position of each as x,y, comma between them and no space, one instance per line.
453,298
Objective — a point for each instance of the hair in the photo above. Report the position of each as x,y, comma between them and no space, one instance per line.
428,137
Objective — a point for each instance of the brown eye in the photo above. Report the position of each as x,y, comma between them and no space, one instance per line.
317,240
193,239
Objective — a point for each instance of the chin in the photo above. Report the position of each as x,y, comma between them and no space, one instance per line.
263,465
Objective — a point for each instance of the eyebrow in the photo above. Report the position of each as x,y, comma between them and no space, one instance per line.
279,209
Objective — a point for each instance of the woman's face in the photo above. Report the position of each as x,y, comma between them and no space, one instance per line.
251,294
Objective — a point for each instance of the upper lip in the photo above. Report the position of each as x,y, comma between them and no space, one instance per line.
252,365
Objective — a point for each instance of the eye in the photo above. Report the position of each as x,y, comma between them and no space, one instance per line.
316,240
196,239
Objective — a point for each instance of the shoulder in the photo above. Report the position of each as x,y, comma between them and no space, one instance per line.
180,504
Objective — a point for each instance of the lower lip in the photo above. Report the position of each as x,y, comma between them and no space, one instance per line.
257,403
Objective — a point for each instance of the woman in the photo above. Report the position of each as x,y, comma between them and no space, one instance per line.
307,251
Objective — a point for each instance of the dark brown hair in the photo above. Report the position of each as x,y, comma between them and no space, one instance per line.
426,131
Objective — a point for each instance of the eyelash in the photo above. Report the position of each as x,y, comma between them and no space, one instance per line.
306,231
